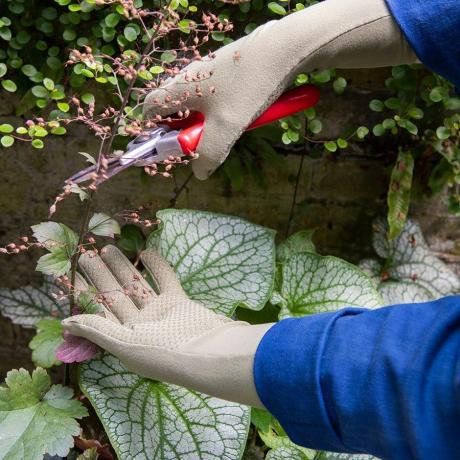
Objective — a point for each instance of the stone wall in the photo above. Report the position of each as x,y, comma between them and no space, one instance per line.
339,197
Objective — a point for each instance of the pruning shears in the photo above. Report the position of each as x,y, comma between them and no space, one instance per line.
180,138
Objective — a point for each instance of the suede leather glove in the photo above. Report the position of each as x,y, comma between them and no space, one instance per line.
247,76
164,335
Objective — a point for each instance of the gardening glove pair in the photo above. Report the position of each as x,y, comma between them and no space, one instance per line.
162,334
248,75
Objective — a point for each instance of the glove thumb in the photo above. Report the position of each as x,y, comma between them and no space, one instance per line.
103,332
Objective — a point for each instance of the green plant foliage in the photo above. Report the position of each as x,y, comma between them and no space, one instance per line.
410,272
274,437
131,239
222,261
36,418
103,225
28,305
148,420
45,343
294,244
399,192
311,283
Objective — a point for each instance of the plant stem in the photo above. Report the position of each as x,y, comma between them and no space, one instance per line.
103,152
296,187
178,191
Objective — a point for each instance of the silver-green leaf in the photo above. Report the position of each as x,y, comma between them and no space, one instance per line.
150,420
312,284
410,272
28,305
222,261
298,242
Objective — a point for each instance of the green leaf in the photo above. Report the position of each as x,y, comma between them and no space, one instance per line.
399,192
35,417
312,284
376,105
55,235
130,33
342,143
443,133
88,98
362,132
7,141
40,91
6,128
103,225
152,420
29,70
339,85
45,343
112,19
322,76
63,107
131,239
48,84
156,69
315,126
56,263
437,94
295,244
168,56
222,261
276,8
274,437
330,146
38,144
3,69
27,305
409,262
9,86
378,130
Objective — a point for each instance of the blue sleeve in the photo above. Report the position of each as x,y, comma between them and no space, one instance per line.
432,27
384,382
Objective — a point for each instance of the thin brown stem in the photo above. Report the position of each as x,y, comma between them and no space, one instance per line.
178,191
296,187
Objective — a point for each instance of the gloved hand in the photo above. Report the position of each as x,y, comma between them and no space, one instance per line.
249,74
166,336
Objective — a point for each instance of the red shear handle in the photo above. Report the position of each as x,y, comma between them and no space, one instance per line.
291,102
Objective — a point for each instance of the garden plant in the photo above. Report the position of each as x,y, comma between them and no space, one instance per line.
92,62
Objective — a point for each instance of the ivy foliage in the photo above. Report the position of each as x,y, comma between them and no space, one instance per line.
419,111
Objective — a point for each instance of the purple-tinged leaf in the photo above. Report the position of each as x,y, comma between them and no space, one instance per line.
76,349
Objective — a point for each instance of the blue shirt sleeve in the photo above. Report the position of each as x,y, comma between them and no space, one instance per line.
432,27
384,382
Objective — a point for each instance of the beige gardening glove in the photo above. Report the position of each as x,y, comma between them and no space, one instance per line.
249,74
164,335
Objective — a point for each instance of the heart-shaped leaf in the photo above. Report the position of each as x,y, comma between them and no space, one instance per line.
150,420
311,283
35,417
27,305
298,242
222,261
410,271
